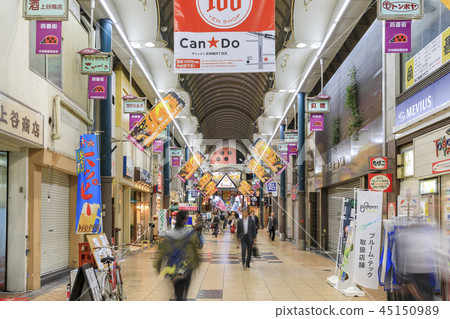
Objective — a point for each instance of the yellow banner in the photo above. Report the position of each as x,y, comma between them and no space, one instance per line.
446,3
210,187
247,187
205,179
259,171
269,156
191,166
155,121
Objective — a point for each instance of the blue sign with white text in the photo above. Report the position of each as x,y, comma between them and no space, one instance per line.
272,187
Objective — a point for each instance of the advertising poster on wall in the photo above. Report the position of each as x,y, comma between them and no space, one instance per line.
218,36
204,180
89,200
155,121
269,156
368,238
259,171
191,166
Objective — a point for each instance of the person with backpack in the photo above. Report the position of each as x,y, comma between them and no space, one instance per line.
178,256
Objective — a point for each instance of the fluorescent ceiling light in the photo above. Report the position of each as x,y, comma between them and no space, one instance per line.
149,44
315,45
281,90
301,45
136,45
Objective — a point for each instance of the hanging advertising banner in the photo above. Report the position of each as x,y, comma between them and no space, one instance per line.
89,200
398,36
345,267
98,85
446,3
368,238
246,187
292,149
209,189
285,156
269,156
48,37
316,122
56,10
162,222
155,121
176,161
223,36
158,146
259,171
134,118
380,182
96,64
272,187
191,166
400,9
254,200
204,180
134,105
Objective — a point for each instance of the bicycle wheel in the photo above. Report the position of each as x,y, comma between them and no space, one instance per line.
107,291
119,284
206,231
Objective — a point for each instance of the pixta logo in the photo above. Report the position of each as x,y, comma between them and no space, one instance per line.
224,14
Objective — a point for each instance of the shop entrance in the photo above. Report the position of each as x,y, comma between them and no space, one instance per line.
3,216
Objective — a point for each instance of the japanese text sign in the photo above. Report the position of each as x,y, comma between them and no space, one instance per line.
210,188
204,180
98,87
80,161
269,156
272,187
291,136
245,188
258,170
378,163
155,121
158,146
368,236
48,37
285,156
316,122
89,200
178,152
96,64
292,149
21,121
318,106
134,118
134,106
400,9
56,10
191,166
398,36
380,182
176,161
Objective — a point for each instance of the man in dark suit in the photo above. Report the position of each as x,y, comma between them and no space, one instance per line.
246,232
272,225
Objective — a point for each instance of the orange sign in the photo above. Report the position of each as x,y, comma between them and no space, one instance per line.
155,121
245,188
210,189
191,166
259,171
205,179
269,156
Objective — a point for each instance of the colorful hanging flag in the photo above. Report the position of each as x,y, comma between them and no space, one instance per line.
259,171
210,188
191,166
204,180
268,156
89,198
155,121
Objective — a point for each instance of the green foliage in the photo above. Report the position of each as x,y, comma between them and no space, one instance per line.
351,104
336,132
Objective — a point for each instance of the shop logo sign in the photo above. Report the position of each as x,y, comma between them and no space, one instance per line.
370,208
224,14
400,6
378,163
442,144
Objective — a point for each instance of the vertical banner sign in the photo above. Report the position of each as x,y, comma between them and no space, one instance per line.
344,272
398,36
89,200
155,121
98,87
368,237
162,222
269,156
204,180
245,188
191,166
48,37
222,36
292,149
210,188
135,118
316,122
176,161
158,146
258,170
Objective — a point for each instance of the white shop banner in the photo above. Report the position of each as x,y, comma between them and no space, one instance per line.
223,36
368,237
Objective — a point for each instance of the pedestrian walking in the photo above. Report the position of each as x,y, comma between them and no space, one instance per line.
235,224
216,222
256,219
199,224
246,233
178,256
272,226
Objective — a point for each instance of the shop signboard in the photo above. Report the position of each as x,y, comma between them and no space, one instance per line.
134,118
162,222
98,86
223,36
191,166
158,146
316,122
176,161
48,37
430,58
285,156
391,210
143,176
397,36
315,105
88,218
187,206
135,105
294,192
178,152
291,136
80,160
128,167
378,163
258,170
254,200
159,189
408,206
368,238
20,121
282,147
269,156
380,182
400,9
56,10
96,64
292,149
155,121
272,187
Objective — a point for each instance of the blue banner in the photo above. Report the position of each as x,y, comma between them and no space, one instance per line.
89,199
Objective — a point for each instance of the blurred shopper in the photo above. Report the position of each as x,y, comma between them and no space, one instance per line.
235,224
199,224
178,256
272,226
222,220
246,233
256,219
216,222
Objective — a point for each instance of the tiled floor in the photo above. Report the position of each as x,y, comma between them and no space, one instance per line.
280,273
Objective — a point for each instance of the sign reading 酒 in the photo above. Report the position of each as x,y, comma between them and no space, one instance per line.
56,10
400,9
96,64
222,36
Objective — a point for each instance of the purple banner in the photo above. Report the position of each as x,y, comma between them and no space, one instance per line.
316,122
285,156
98,87
158,146
48,37
176,162
135,118
398,36
292,149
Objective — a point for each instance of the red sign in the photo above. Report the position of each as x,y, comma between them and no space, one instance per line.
159,182
441,167
378,163
380,182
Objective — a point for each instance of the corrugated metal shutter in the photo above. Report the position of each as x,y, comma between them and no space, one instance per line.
54,221
335,196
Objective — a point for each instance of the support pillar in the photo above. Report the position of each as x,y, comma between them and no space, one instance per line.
166,170
186,158
261,206
301,173
282,197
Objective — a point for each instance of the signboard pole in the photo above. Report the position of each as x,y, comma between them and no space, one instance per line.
282,198
301,172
